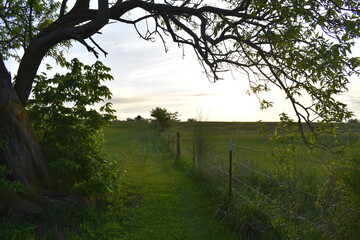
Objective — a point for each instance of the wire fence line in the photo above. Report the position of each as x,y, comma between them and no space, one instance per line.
289,196
294,157
275,179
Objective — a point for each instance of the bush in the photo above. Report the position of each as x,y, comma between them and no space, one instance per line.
341,196
70,131
164,118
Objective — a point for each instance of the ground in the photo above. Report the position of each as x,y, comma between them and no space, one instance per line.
164,201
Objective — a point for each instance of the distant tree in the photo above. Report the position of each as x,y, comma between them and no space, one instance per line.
354,124
164,118
139,118
353,121
191,120
130,119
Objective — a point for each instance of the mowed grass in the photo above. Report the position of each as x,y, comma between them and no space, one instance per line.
156,200
163,202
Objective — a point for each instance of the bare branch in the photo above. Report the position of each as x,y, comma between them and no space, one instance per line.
30,18
88,47
137,20
98,46
63,8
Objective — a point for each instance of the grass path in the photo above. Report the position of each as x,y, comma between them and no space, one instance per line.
163,202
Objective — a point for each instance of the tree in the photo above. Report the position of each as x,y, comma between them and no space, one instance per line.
302,47
139,118
164,118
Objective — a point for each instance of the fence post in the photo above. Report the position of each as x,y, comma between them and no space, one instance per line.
173,144
230,170
178,145
194,152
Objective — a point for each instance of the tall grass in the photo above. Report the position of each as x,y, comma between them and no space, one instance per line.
282,184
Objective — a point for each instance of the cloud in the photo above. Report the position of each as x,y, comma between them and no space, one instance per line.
127,100
355,102
201,94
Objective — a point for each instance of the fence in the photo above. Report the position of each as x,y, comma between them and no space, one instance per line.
285,187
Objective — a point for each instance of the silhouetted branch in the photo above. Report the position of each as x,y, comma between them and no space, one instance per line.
98,46
63,8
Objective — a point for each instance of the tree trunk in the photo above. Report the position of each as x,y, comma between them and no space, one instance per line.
22,152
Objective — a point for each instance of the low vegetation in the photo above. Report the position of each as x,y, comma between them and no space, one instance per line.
155,199
70,128
280,185
281,189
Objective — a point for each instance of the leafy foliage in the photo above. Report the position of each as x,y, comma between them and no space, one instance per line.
5,184
139,118
5,172
302,47
340,196
70,130
164,118
336,209
20,21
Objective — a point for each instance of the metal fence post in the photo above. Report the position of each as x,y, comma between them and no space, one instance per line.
230,170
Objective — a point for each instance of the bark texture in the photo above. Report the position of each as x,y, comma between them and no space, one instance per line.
22,152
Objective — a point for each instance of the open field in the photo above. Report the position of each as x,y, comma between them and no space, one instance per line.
165,203
283,179
156,199
250,146
275,194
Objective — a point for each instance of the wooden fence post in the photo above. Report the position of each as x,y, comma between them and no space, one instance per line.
173,144
178,145
230,170
194,152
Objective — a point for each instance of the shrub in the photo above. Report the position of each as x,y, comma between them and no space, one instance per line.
164,118
70,130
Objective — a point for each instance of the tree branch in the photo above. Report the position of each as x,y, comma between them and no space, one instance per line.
98,46
4,74
63,8
88,47
30,18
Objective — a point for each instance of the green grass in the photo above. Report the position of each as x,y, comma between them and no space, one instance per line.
156,201
283,189
165,202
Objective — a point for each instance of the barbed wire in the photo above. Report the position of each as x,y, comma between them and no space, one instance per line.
213,157
275,179
258,193
291,157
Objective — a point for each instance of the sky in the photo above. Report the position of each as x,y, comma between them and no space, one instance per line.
145,77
